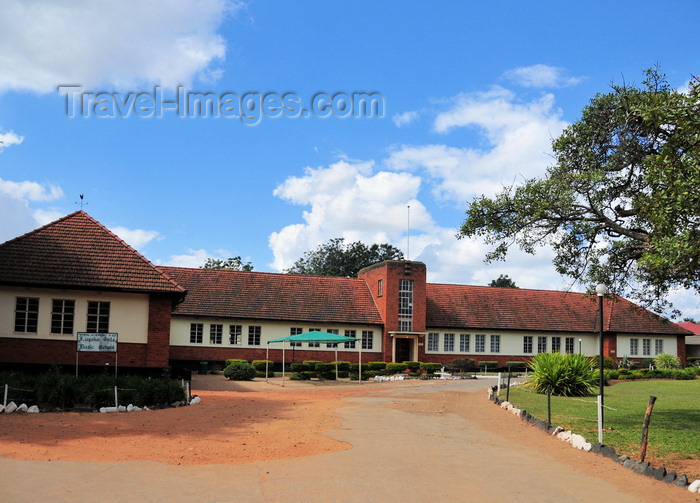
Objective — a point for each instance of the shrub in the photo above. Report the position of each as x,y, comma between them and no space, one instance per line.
395,368
608,362
516,365
325,370
667,361
299,367
412,366
311,364
376,365
431,368
261,364
240,371
463,365
343,366
647,362
231,360
563,374
693,361
487,365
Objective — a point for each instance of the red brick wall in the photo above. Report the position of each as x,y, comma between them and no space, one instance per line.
680,348
47,351
158,347
194,353
388,304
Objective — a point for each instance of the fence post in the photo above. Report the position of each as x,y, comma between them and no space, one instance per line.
549,406
600,420
499,385
645,428
508,388
4,401
116,400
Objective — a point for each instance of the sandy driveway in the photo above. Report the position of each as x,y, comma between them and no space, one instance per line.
259,442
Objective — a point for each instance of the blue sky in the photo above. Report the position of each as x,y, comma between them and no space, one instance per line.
471,92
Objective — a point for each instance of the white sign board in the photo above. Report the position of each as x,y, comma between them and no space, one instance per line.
97,342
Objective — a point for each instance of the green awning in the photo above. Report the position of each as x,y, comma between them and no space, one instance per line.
315,336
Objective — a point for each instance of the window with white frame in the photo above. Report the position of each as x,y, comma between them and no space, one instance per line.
216,332
541,344
527,344
62,316
295,331
333,331
350,344
569,345
98,317
26,315
464,343
646,347
433,341
314,344
235,334
367,339
405,305
634,347
448,342
556,344
495,343
196,333
658,346
254,334
480,343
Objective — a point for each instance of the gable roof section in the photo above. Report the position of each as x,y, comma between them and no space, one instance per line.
486,307
273,296
77,251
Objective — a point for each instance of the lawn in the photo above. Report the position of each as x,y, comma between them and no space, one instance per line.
675,422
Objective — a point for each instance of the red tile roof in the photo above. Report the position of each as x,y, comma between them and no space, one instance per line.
269,296
485,307
76,251
691,327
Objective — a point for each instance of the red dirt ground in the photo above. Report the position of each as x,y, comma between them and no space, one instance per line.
226,428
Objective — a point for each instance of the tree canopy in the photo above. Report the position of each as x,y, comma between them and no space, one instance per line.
503,281
336,258
621,204
233,263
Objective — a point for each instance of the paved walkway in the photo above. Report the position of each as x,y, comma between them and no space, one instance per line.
405,447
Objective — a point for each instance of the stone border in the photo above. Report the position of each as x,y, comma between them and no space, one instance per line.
578,442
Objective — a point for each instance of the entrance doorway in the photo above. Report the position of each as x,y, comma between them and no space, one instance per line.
403,349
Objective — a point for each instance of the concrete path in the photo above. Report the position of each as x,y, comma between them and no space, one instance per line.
405,447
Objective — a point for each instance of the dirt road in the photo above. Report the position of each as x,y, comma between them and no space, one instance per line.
258,442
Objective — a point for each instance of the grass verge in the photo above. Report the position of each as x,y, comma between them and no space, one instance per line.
675,422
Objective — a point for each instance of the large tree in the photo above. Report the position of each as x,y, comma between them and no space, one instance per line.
233,263
336,258
621,203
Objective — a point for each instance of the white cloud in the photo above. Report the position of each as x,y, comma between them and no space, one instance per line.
31,191
91,43
541,76
349,200
517,145
196,258
9,139
404,118
137,238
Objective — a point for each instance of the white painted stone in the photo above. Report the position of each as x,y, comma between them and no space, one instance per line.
504,405
578,442
108,409
557,431
195,400
22,407
515,411
2,408
10,407
121,408
33,409
695,486
564,436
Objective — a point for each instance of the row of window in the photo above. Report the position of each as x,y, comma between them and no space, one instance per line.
62,316
235,333
448,343
646,347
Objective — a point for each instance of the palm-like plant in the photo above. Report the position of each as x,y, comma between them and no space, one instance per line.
562,374
667,361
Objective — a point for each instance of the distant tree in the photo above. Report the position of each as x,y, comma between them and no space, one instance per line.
233,263
503,281
336,258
